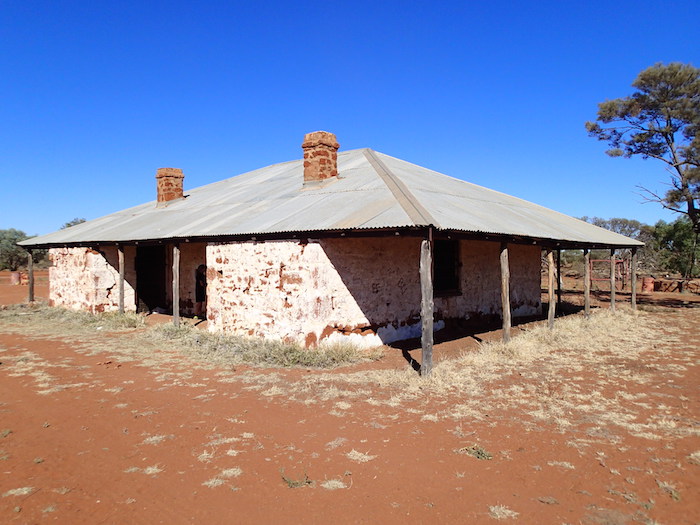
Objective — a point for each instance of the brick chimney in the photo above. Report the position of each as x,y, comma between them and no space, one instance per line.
320,156
169,185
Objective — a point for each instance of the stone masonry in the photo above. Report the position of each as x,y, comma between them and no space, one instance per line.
86,279
169,185
363,289
320,156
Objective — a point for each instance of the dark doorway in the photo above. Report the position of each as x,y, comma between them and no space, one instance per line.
150,278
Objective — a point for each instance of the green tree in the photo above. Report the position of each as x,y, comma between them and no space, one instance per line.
11,255
660,121
74,222
627,227
676,246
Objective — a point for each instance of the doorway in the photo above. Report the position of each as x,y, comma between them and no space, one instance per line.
150,278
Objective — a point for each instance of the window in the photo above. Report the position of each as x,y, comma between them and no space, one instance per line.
446,268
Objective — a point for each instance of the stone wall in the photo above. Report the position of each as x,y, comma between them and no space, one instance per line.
192,254
168,185
480,282
365,289
87,279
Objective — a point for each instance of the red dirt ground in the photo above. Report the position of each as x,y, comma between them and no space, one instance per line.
74,430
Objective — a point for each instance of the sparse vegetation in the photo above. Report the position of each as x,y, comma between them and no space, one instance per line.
501,512
354,455
22,491
213,349
586,385
476,451
669,489
297,483
37,313
333,484
221,349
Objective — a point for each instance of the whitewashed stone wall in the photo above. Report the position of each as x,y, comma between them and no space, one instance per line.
481,282
191,256
364,289
86,279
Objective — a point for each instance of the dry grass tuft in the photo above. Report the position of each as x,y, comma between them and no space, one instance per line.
213,482
297,483
475,451
212,349
337,442
354,455
669,489
501,512
562,464
225,474
154,440
22,491
40,313
231,472
585,371
561,377
333,484
152,470
221,349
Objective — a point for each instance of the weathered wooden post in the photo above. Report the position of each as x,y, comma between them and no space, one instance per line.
176,284
550,289
586,282
30,270
560,280
427,305
505,292
633,278
612,279
120,252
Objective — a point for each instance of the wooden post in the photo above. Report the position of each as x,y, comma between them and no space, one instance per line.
550,289
30,270
120,252
633,278
176,284
612,279
426,305
505,292
587,282
560,280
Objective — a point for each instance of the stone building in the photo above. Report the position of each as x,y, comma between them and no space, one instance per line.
337,245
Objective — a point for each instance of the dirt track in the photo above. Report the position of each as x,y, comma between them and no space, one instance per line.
88,435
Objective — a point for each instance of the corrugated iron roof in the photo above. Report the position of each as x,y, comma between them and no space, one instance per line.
372,190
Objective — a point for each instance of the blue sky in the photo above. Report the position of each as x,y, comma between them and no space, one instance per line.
95,96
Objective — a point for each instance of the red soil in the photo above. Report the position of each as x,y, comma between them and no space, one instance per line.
82,450
15,294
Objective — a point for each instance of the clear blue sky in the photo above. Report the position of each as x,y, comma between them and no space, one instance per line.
95,96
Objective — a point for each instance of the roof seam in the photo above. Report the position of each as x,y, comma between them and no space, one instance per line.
408,202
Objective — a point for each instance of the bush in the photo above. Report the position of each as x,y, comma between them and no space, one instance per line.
11,255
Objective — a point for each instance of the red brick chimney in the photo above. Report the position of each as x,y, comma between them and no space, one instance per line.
320,156
169,184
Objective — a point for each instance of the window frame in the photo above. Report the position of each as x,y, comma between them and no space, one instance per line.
451,288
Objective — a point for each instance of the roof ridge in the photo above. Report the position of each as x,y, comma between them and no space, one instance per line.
408,202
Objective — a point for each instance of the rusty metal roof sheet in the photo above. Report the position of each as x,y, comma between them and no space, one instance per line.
372,191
